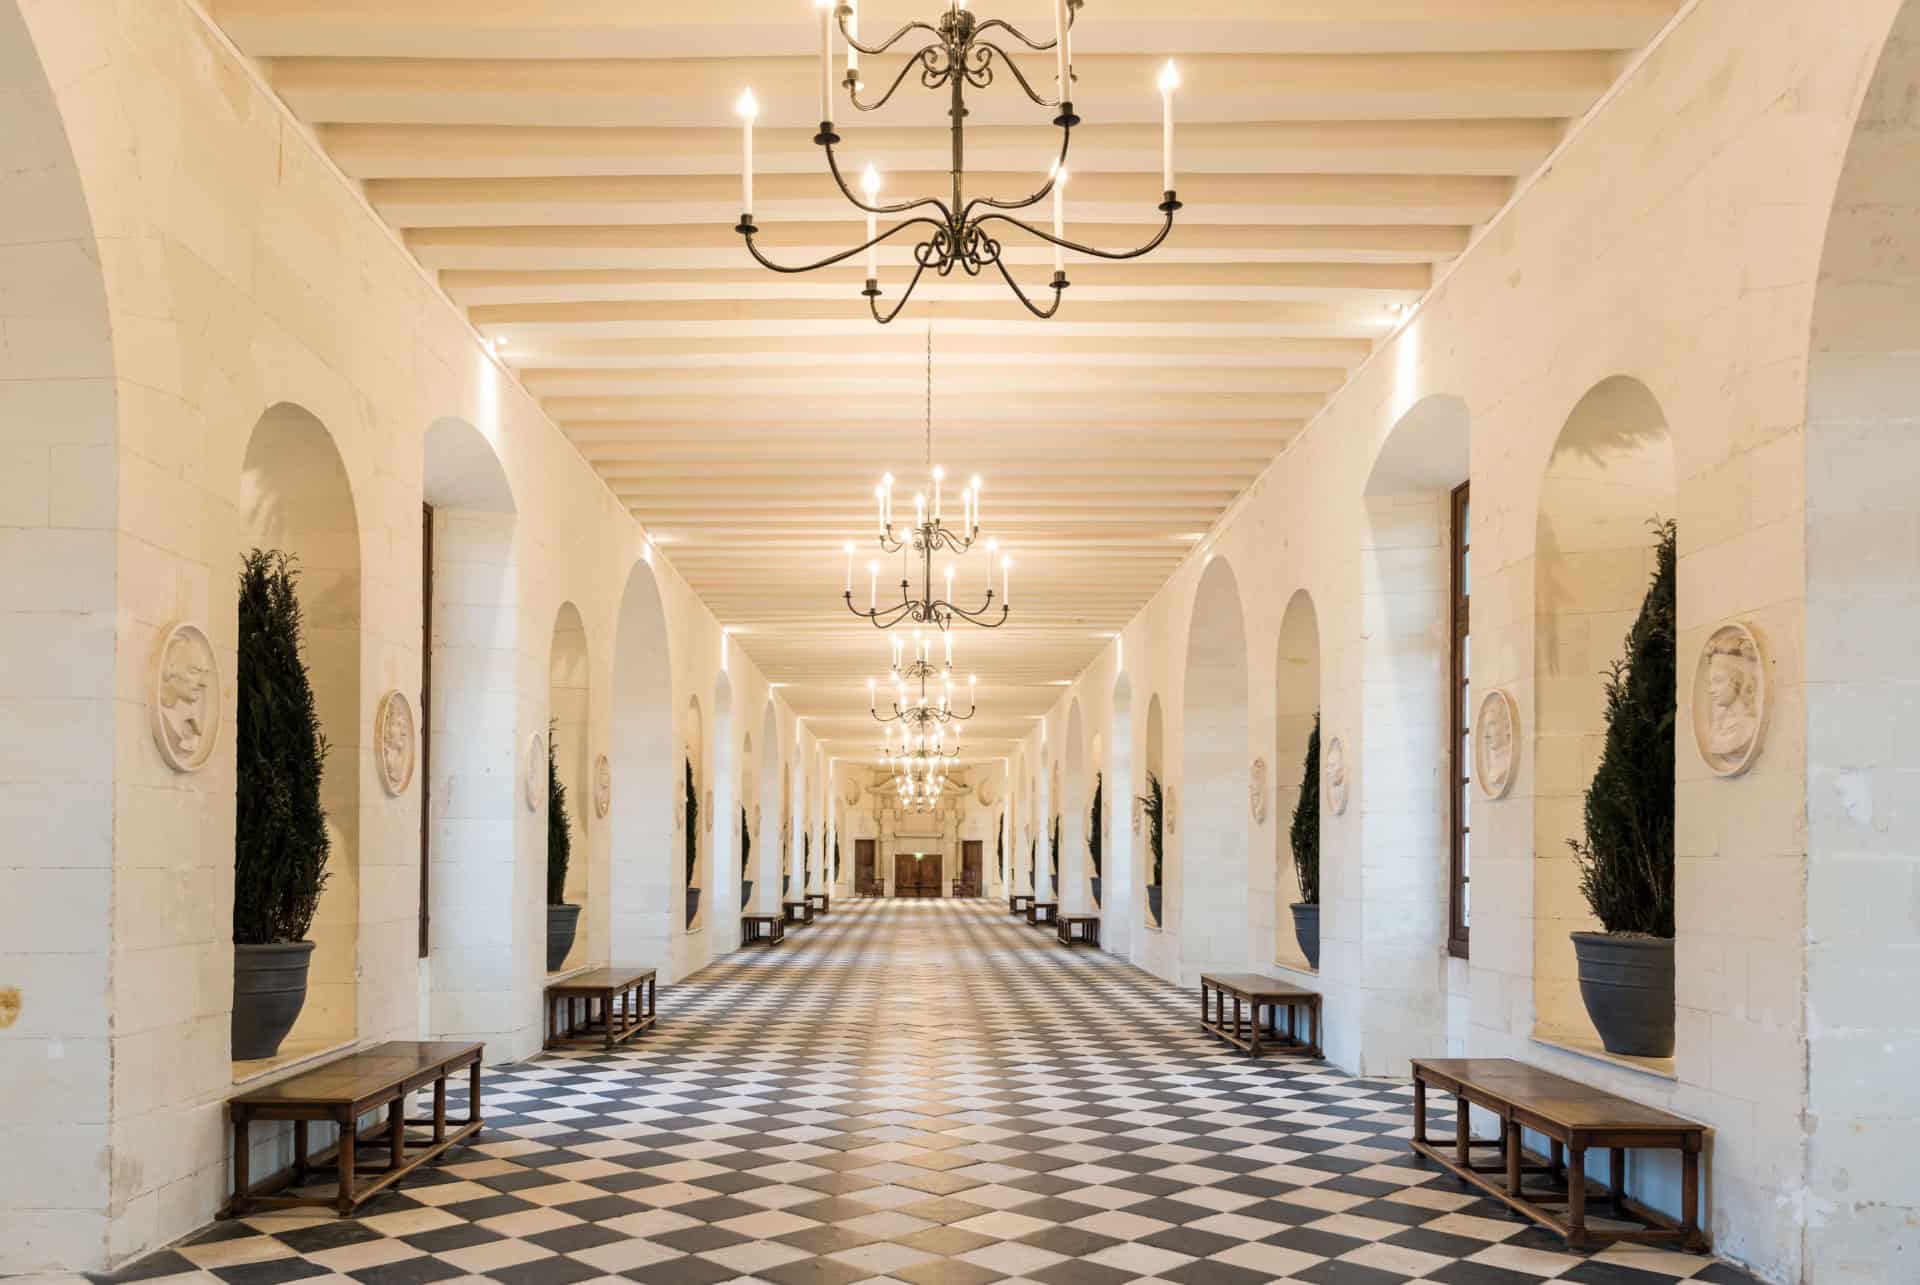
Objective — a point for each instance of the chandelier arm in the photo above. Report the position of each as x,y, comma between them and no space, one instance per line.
841,257
845,11
1167,206
921,58
1046,190
840,180
873,300
1013,66
1059,290
1002,24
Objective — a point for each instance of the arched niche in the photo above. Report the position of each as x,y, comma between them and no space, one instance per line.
1862,676
1611,475
645,859
467,770
1076,791
569,712
1296,707
689,874
295,496
1120,882
1151,878
720,868
1209,849
768,860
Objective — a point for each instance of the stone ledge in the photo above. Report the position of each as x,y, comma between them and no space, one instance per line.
1661,1068
294,1055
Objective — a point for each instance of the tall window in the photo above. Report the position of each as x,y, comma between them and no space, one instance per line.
426,703
1459,911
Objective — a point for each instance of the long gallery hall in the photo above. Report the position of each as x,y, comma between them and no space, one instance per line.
937,642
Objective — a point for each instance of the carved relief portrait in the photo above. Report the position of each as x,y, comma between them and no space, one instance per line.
1496,734
1730,700
602,786
1257,791
185,700
397,741
1139,813
1334,768
1171,826
536,782
706,810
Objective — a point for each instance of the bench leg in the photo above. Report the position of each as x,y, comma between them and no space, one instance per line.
1576,1195
440,1109
1616,1178
1419,1097
397,1133
606,1011
1690,1193
1462,1132
1556,1159
349,1136
1510,1136
473,1094
242,1180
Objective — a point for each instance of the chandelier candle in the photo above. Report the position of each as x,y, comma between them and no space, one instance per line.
958,229
872,185
1169,81
748,109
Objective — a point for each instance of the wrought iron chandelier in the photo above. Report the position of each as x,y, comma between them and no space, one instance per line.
925,711
930,534
962,232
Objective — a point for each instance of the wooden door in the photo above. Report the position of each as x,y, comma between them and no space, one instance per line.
973,857
906,875
866,869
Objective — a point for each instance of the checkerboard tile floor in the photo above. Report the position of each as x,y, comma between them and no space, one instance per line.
927,1092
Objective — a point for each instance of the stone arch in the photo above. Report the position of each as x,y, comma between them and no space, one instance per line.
1152,880
1862,452
646,776
1208,849
295,496
569,718
769,863
469,750
1610,475
1296,707
690,907
1077,790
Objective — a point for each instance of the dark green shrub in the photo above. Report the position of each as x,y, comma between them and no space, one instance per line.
559,828
1094,820
1153,805
1626,861
1304,833
746,846
280,843
693,827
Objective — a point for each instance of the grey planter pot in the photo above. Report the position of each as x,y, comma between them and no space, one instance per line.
786,882
693,905
1153,903
269,990
562,922
1306,930
1627,983
746,892
1096,890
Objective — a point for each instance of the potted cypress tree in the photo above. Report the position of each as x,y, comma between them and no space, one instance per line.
1626,857
1033,866
693,847
1304,836
1000,847
746,860
1094,837
806,861
1153,805
1053,857
833,876
280,844
563,920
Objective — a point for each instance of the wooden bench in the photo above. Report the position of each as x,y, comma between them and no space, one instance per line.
799,912
1574,1118
819,901
628,996
768,930
339,1093
1018,902
1078,930
1256,993
1041,914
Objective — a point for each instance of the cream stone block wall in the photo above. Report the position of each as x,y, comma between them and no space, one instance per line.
1676,240
193,262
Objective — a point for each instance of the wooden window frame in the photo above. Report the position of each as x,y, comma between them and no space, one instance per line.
1460,773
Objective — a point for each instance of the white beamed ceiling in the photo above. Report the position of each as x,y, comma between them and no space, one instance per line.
569,169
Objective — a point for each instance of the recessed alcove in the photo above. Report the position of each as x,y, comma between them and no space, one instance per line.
1296,704
1156,770
646,775
1208,849
569,711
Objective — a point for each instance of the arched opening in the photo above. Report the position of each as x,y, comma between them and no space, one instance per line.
1118,875
646,776
1153,867
295,497
470,622
1609,478
1208,845
768,860
741,818
696,819
1862,682
1071,809
720,873
1296,711
1382,931
569,707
